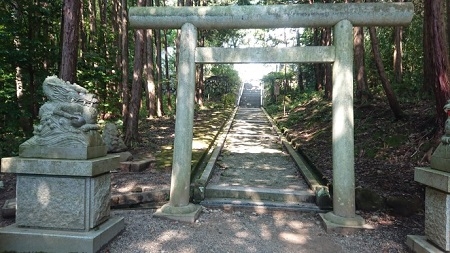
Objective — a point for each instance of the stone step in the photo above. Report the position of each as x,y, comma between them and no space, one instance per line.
259,194
136,166
229,204
136,198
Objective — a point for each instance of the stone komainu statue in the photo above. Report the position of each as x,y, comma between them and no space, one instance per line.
68,124
446,137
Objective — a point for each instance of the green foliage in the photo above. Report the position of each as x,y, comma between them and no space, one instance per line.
229,99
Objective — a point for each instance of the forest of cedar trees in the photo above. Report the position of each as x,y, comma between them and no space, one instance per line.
133,72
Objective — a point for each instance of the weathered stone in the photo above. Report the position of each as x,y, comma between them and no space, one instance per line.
58,167
440,160
111,138
434,178
68,203
136,166
368,200
272,16
156,196
9,208
323,198
68,124
403,205
437,217
125,156
17,239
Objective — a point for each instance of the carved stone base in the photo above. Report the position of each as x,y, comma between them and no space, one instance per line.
62,205
66,203
17,239
188,213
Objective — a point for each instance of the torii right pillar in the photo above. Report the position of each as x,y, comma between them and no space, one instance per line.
343,218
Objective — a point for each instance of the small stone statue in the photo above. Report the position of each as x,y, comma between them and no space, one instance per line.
68,120
446,137
440,160
111,137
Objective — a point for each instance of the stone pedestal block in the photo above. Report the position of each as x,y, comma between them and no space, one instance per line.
67,203
62,205
437,217
437,211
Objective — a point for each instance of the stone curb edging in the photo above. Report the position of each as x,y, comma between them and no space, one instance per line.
199,185
323,197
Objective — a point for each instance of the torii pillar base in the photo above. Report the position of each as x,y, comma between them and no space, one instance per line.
341,225
188,213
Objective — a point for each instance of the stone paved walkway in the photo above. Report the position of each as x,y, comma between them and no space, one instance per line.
255,168
253,156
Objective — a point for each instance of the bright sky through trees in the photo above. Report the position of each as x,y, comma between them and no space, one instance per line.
281,37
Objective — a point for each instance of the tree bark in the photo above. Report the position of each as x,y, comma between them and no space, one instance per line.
71,21
392,98
131,132
437,56
158,69
362,90
398,52
166,67
398,59
124,57
150,86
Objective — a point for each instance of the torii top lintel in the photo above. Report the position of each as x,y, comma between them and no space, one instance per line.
272,16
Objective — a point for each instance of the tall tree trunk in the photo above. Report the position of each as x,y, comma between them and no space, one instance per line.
150,86
398,52
398,59
300,84
327,66
71,21
362,90
131,132
390,95
124,57
437,52
200,87
159,98
318,73
166,67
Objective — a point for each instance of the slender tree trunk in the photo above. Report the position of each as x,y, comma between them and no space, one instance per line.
398,52
150,69
398,61
71,20
327,66
362,90
124,51
159,98
318,73
437,52
200,75
131,133
392,98
300,84
166,67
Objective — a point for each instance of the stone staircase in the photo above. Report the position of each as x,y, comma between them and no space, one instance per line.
250,98
255,170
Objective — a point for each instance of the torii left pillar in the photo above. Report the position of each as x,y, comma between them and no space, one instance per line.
179,207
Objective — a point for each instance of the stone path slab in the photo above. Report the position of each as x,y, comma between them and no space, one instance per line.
254,166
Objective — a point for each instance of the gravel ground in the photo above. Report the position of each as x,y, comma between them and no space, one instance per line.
250,231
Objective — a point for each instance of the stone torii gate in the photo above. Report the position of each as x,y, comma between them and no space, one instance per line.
340,16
